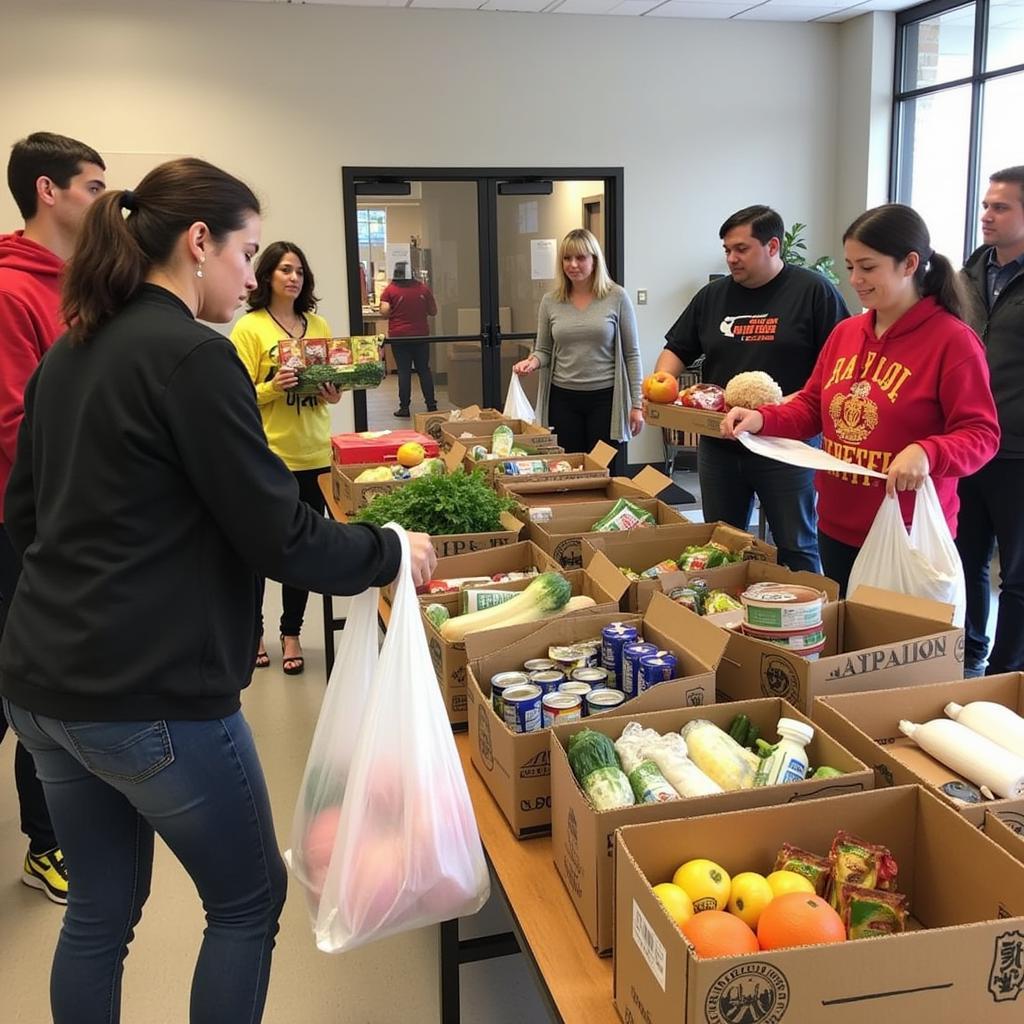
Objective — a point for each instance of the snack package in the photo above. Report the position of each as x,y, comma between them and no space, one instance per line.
817,870
624,515
688,597
365,348
560,466
478,451
869,912
857,862
631,574
501,441
339,352
719,601
315,350
289,354
660,569
697,557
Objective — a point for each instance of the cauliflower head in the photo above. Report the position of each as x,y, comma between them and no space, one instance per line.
752,389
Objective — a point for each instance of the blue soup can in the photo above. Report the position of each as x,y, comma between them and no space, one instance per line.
631,655
523,708
500,683
654,669
613,639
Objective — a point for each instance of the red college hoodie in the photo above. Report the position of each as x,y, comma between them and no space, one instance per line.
925,381
29,324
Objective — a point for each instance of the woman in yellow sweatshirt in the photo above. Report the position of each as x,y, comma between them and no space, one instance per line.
282,306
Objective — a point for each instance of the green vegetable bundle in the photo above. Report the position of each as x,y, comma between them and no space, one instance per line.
459,502
345,378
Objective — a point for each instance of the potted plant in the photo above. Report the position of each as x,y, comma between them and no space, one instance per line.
794,251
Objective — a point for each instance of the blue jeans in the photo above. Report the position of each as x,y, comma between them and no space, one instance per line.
730,476
110,786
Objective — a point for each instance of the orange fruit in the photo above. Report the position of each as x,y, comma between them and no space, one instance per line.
675,901
798,919
705,882
783,882
716,933
410,454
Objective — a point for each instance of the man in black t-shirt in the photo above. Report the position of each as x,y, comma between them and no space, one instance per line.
770,316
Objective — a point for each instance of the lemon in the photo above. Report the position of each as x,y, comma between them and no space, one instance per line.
783,882
410,454
675,901
749,895
705,882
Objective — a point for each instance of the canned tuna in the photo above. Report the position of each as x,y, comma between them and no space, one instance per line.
613,639
631,655
522,707
595,677
602,700
655,669
539,665
548,681
561,707
580,689
501,682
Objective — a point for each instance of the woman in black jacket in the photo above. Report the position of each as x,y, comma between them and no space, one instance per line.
145,505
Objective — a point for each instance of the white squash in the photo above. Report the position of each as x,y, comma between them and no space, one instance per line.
993,721
976,758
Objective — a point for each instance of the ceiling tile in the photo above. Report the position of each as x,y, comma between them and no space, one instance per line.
783,12
529,6
625,8
465,5
585,6
711,9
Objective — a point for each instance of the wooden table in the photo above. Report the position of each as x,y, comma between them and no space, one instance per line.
575,981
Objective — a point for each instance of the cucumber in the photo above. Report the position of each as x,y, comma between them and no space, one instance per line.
752,734
739,728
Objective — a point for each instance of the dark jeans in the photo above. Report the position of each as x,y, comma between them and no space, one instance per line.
730,476
111,785
581,419
407,355
837,560
293,601
990,514
35,818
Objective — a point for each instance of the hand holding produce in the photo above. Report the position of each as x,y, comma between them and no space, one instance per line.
661,388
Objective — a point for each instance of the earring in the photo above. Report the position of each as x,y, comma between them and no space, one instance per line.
199,269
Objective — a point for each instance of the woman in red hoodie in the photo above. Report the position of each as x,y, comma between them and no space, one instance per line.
903,388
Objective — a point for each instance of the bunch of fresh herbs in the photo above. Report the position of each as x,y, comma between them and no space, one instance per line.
457,502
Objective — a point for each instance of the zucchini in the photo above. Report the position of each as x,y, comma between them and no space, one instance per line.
739,729
752,734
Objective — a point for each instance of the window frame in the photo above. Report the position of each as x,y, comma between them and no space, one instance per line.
977,81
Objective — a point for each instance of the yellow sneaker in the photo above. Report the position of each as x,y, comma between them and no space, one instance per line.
46,871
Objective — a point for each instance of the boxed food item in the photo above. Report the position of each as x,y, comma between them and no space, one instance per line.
562,530
959,959
540,504
582,836
449,654
873,640
357,484
636,552
346,363
955,767
376,446
516,765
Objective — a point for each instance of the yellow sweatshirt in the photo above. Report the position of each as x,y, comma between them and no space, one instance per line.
298,428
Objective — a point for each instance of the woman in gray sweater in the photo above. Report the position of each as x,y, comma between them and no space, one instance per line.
589,352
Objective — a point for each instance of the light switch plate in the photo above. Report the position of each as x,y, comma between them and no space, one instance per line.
641,297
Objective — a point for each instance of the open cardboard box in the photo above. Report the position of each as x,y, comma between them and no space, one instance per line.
963,960
582,838
516,766
430,422
458,543
868,723
563,528
490,464
588,471
874,640
449,659
1006,830
681,417
538,505
469,433
639,550
352,495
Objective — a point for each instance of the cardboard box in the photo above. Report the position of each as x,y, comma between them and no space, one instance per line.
679,417
874,640
582,838
639,550
588,472
1007,830
351,495
490,464
868,723
609,489
472,432
457,543
968,966
516,766
449,659
430,422
375,446
562,533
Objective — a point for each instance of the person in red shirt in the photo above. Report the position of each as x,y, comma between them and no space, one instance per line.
54,180
406,303
902,389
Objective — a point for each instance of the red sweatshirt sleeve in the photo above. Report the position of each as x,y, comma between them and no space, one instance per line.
800,417
971,438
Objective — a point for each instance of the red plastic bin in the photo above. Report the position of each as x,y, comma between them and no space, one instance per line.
351,448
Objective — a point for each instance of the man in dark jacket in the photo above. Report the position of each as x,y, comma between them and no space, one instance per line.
991,500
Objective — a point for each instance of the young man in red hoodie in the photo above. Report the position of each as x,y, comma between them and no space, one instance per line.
54,180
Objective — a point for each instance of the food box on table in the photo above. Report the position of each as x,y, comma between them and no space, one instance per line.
519,476
582,837
449,658
561,529
516,766
869,724
639,551
960,960
377,446
430,422
873,640
352,494
481,432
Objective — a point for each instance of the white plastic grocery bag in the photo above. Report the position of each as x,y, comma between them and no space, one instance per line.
406,851
924,563
517,405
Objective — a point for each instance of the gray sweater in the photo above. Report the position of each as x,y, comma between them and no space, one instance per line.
591,349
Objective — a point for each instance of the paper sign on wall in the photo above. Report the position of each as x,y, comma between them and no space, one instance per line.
542,258
398,257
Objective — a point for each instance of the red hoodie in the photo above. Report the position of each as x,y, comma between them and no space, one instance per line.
29,325
925,381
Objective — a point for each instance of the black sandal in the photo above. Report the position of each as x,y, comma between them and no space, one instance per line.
298,662
262,659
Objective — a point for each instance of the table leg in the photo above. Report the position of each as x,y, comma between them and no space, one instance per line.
455,952
331,626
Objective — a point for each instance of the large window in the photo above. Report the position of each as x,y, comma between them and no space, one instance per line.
958,111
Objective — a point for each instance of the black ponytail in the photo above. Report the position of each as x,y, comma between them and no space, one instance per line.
942,281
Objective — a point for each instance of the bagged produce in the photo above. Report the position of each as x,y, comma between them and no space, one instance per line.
624,515
669,754
517,405
719,756
645,777
406,851
596,766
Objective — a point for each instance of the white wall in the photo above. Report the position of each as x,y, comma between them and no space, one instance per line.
705,117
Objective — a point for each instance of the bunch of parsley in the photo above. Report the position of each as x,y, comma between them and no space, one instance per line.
457,502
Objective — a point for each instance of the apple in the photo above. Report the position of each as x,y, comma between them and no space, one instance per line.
318,846
661,388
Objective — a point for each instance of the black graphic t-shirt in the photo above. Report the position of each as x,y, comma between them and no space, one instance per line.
779,328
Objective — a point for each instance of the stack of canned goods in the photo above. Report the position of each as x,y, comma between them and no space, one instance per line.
579,680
